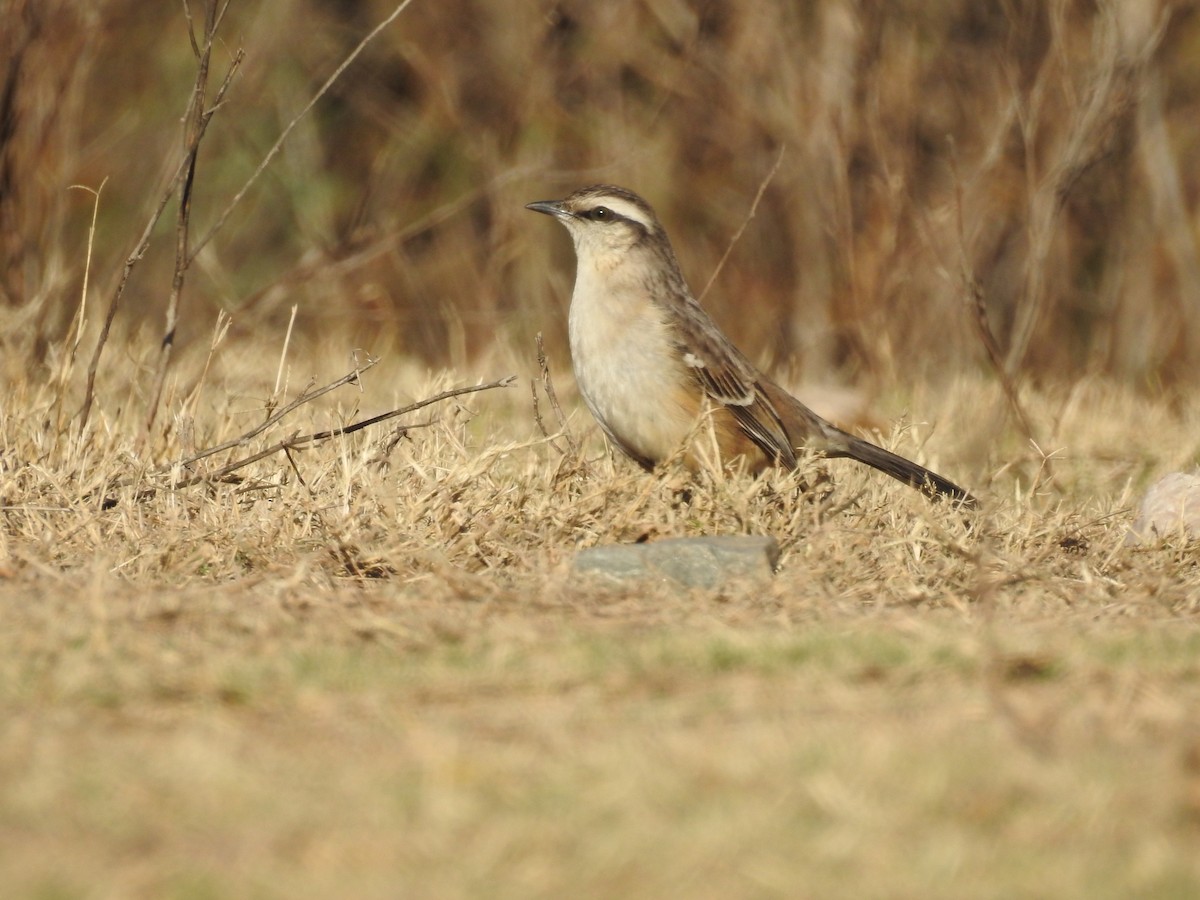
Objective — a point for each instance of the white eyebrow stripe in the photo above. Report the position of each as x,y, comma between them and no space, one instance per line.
623,208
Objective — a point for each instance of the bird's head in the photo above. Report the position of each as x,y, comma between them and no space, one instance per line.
605,222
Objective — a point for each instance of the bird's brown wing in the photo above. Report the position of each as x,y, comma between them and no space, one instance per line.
730,380
776,421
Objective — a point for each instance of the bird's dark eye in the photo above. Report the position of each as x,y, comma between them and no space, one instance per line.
600,213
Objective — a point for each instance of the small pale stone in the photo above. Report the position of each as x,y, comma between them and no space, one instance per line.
705,562
1171,507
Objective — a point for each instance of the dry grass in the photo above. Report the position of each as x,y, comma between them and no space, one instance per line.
363,668
383,680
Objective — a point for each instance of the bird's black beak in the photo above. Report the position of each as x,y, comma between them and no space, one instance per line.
550,208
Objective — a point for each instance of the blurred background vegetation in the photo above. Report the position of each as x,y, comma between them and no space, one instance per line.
1034,158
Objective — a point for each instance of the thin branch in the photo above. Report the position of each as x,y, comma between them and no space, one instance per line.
191,29
69,355
973,292
305,397
762,189
552,396
299,441
130,261
412,407
1092,137
278,145
195,126
87,264
143,245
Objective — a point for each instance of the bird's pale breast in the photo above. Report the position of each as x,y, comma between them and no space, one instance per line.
628,370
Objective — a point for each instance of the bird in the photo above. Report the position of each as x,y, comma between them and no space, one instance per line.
650,361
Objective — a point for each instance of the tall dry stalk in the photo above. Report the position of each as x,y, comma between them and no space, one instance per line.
1111,87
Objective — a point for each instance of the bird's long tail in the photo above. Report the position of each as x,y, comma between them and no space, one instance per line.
805,428
929,483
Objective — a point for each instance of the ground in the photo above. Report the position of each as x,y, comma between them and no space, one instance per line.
384,680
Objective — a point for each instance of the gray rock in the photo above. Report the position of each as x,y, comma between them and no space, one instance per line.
704,562
1171,507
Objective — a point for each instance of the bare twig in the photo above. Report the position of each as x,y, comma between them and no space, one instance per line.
552,396
1114,84
81,319
68,359
537,411
130,261
305,397
195,119
973,294
762,189
412,407
283,136
185,171
299,441
143,244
